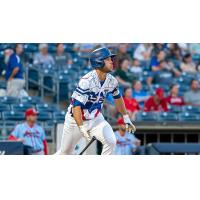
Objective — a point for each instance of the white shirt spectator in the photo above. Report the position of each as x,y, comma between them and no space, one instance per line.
143,52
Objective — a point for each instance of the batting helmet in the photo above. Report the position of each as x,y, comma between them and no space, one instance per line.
98,56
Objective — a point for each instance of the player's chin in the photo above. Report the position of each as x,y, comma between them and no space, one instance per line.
111,68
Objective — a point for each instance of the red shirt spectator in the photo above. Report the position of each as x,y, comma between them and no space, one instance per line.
130,103
174,99
156,102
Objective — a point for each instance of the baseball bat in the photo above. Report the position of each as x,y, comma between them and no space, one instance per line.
91,141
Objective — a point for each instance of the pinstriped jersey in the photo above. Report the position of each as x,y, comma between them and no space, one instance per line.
91,93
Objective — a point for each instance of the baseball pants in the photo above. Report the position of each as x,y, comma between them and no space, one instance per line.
97,127
15,86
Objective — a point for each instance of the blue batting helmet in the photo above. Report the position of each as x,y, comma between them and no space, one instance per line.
98,56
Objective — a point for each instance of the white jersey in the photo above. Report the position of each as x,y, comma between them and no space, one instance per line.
91,93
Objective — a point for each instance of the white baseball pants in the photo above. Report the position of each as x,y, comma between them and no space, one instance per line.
97,127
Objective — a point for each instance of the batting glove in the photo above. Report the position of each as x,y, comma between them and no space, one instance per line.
129,125
84,132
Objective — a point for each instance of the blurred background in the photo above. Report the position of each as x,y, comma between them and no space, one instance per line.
159,83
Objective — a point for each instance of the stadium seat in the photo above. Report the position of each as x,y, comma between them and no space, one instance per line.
31,100
22,107
45,116
46,107
146,116
167,116
59,117
175,109
2,84
13,116
9,100
4,107
188,117
191,109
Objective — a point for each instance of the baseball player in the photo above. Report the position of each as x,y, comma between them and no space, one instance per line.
31,134
84,118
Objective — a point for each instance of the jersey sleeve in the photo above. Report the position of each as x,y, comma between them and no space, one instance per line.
82,92
16,132
43,137
115,91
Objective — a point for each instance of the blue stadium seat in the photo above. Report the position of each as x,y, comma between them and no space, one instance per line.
33,75
2,84
59,117
4,107
9,100
191,109
22,107
175,109
46,107
146,116
31,100
13,116
45,116
167,116
188,117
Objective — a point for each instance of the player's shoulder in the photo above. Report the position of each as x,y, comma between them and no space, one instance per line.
19,126
37,126
86,80
112,80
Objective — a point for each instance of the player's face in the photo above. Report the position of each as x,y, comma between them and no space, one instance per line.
123,128
108,67
32,118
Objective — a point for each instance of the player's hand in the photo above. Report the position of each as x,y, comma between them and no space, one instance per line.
129,125
85,132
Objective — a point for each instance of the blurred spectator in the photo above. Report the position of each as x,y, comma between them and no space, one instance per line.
138,93
155,60
157,47
122,53
126,143
192,97
173,98
187,64
61,58
14,72
85,47
156,102
31,134
131,104
43,57
135,68
122,74
7,53
143,52
175,51
194,48
163,73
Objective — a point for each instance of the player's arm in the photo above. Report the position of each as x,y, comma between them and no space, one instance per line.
80,97
121,106
119,102
77,114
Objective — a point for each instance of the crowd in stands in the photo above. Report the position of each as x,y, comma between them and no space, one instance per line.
151,76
